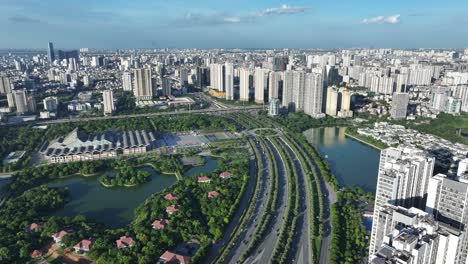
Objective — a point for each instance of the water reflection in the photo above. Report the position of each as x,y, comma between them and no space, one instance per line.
354,163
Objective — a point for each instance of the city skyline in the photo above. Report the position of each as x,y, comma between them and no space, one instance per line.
240,24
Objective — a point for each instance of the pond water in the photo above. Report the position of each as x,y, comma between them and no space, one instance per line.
354,163
115,206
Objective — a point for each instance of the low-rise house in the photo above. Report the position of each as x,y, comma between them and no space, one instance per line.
173,258
203,179
36,254
34,227
125,242
160,224
213,194
58,236
170,197
172,209
84,245
225,175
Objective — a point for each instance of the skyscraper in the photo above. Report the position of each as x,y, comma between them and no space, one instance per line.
447,199
345,106
399,105
332,101
274,83
166,86
217,77
143,89
402,180
21,101
5,85
229,80
298,90
261,84
108,101
244,84
51,52
288,89
127,83
313,92
413,236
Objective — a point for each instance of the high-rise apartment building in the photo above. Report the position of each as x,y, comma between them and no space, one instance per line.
166,86
143,89
399,105
275,80
21,101
413,236
288,90
108,101
217,77
50,103
298,90
5,85
229,80
244,84
447,200
127,83
345,105
332,101
403,179
261,84
313,93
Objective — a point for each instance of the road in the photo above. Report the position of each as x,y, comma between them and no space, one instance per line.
233,109
266,248
244,203
259,207
301,250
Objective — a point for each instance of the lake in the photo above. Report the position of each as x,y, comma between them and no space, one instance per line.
115,206
354,163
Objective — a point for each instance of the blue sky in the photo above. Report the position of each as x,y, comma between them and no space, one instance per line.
234,23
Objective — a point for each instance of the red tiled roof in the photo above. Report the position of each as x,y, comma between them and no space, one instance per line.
172,209
212,194
170,197
225,175
59,235
160,223
36,253
203,179
170,257
84,245
35,226
124,242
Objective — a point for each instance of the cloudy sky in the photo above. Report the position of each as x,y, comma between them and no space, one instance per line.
233,23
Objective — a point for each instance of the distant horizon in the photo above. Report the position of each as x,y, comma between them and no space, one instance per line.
239,48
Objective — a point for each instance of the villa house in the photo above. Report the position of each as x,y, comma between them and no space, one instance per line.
213,194
160,224
170,197
34,227
173,258
172,209
125,242
225,175
58,236
84,245
203,179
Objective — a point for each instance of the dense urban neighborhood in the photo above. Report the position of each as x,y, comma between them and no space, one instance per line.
234,155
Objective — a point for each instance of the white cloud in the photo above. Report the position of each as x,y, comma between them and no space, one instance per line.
232,20
282,10
395,19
